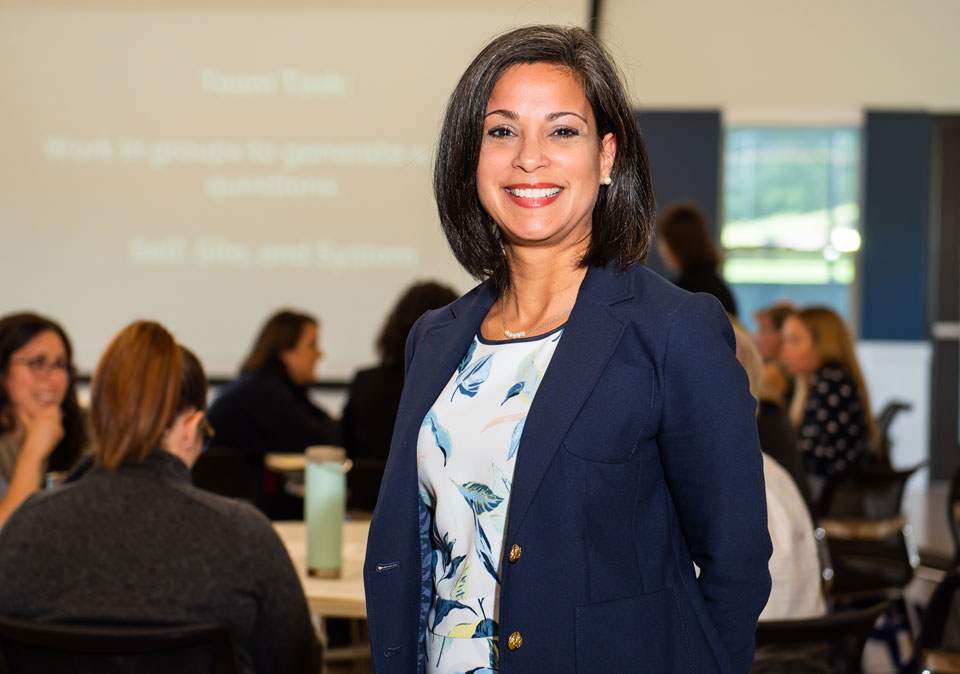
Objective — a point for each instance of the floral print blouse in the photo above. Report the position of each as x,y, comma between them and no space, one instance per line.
466,454
833,432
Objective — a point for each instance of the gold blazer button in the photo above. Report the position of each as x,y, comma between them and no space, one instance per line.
515,553
515,641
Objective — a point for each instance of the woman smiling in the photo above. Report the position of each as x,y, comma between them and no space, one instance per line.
40,421
575,432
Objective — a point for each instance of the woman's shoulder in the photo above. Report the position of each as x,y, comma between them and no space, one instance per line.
833,374
658,301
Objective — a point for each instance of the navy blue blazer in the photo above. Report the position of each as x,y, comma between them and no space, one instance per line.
639,457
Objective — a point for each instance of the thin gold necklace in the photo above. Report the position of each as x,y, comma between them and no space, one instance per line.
523,333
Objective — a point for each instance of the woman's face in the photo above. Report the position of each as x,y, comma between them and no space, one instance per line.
37,375
541,162
301,360
798,352
768,339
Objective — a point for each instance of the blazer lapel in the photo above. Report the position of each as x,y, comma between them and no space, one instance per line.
589,338
437,355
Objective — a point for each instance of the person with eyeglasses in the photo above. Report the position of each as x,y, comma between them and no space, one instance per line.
41,424
131,540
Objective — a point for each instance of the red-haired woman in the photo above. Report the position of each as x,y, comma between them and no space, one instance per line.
132,540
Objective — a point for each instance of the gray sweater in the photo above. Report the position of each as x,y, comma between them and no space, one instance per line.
142,545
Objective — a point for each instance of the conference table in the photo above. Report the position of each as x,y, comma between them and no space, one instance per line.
330,597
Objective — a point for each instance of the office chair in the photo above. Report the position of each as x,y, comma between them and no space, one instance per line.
938,646
832,644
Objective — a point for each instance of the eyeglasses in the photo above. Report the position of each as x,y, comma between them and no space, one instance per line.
39,365
207,430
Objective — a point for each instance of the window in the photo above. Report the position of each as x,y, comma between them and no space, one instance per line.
791,215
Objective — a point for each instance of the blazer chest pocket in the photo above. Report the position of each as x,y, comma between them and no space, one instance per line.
615,415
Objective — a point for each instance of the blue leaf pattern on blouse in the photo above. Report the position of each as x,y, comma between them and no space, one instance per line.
475,374
487,423
444,606
515,438
467,356
483,548
514,390
443,549
480,497
440,434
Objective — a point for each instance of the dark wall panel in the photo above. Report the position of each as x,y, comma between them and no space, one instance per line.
685,152
896,213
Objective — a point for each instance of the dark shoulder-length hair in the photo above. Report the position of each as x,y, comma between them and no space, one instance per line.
623,214
280,333
683,228
417,300
15,331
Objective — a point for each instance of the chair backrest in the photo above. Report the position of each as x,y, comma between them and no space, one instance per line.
30,647
940,629
833,643
868,493
883,422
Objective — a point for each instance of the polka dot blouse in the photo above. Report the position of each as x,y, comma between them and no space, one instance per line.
833,432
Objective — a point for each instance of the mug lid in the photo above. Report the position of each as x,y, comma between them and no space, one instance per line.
325,453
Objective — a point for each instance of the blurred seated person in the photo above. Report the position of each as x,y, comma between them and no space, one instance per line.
41,426
132,542
684,244
267,409
836,429
795,563
778,438
776,380
367,423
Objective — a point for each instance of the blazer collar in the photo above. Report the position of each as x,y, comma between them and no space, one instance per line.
437,354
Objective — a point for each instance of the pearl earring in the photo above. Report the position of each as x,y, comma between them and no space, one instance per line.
608,180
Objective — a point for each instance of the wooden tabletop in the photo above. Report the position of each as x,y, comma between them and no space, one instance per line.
330,597
285,463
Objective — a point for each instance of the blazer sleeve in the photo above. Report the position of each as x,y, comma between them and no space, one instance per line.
714,471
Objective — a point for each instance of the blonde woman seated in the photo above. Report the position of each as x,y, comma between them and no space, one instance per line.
132,541
836,428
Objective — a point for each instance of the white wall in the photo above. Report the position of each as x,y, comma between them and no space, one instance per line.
901,371
754,57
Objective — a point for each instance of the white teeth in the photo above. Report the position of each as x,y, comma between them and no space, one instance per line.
534,193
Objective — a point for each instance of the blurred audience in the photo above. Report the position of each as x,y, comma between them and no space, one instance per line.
41,425
836,428
267,409
685,245
131,541
795,563
777,381
374,396
778,438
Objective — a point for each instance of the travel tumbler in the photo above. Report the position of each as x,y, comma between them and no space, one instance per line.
324,503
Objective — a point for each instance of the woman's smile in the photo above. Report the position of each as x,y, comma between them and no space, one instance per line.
534,195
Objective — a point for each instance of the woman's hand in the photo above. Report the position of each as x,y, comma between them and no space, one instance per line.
42,432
